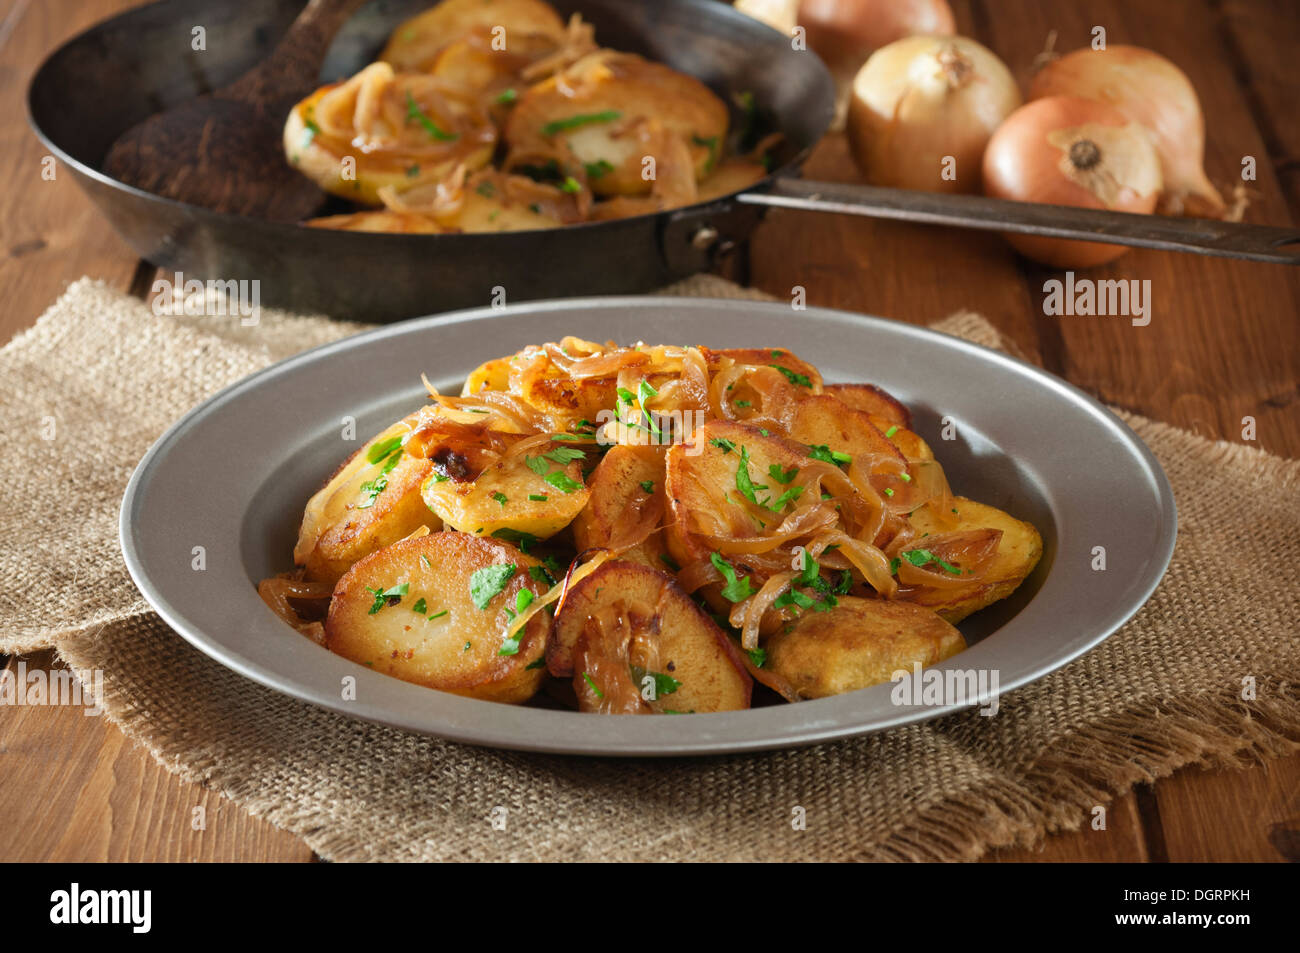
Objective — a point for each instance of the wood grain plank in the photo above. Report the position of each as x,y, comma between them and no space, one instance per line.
1216,815
50,233
72,788
1261,36
1123,841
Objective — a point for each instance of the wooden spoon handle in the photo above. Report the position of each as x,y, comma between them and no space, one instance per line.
293,68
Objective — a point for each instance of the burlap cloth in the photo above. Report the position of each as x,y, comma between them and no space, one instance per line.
1166,691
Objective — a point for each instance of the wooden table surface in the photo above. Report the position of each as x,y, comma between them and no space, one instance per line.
1223,343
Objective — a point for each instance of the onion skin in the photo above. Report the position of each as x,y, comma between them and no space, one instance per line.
1148,89
921,99
845,32
1025,159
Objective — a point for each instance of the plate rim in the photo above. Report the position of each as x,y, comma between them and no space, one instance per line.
836,730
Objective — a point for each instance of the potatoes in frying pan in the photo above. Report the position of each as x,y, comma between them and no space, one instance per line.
371,501
1019,550
634,642
385,130
591,114
436,611
627,489
858,643
416,44
536,495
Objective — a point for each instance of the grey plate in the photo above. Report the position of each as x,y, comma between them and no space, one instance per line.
234,474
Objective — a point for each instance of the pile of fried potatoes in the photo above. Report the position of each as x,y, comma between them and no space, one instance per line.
647,529
488,117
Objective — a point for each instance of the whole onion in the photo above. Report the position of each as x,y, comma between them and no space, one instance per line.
1148,89
923,109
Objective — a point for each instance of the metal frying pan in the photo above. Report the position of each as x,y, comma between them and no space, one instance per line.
121,71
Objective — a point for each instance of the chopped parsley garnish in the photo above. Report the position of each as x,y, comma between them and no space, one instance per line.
562,481
412,171
923,557
571,185
538,663
387,597
819,451
506,96
538,497
891,431
757,656
378,451
537,465
564,455
419,606
486,583
424,561
664,684
521,539
725,445
710,143
743,403
413,111
781,476
390,452
737,588
888,492
541,574
573,122
439,615
523,599
799,380
648,486
744,485
486,189
669,562
501,498
587,679
598,168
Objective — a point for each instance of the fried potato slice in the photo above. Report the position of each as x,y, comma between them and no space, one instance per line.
416,43
591,113
634,642
380,130
620,504
365,506
701,482
524,494
777,357
858,643
433,633
1019,550
871,399
824,420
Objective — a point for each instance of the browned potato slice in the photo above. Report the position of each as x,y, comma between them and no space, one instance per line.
450,643
634,642
490,375
874,400
860,642
511,497
1019,550
620,501
909,444
416,43
823,420
363,508
594,109
702,485
359,136
768,357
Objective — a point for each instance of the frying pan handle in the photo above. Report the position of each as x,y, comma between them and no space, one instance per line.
1198,235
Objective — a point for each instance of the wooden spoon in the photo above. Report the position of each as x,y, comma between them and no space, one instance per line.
223,150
